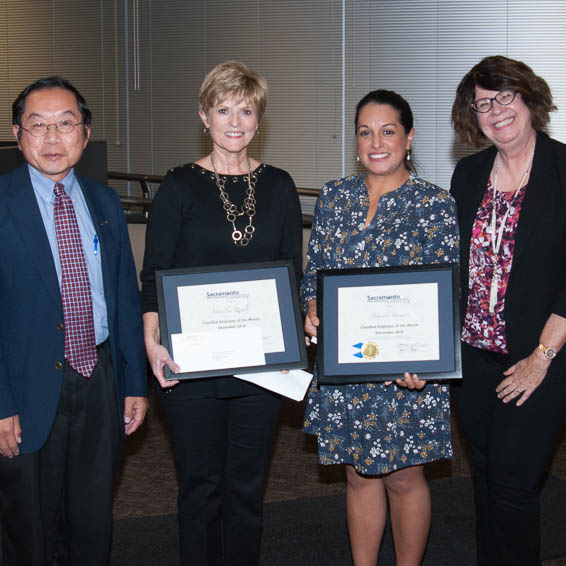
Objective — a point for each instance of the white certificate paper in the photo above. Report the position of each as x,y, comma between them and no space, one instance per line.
202,351
293,385
227,325
388,323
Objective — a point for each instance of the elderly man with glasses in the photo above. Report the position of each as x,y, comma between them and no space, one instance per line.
72,361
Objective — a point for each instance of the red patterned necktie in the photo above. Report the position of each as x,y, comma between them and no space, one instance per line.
80,342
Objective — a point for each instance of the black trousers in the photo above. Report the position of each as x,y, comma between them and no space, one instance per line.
222,449
510,447
57,502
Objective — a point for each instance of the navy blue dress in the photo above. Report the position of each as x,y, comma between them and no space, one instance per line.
374,427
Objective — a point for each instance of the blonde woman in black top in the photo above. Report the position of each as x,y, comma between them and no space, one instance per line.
222,428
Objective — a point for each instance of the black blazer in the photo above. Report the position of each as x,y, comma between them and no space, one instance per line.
537,282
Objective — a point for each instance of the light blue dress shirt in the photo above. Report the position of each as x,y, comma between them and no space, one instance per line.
43,189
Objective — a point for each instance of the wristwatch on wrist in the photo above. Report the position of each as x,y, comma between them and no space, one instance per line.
547,351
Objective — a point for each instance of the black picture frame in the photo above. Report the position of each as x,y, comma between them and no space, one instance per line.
168,282
449,362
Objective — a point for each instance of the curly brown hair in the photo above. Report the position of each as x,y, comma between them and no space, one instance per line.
499,73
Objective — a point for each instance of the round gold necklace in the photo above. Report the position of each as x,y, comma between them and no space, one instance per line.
232,213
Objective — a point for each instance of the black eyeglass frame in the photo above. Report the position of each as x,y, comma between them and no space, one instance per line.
474,104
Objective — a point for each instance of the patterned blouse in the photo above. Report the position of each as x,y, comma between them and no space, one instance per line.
414,224
483,329
374,427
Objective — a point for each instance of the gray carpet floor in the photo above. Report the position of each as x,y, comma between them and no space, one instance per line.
312,531
303,493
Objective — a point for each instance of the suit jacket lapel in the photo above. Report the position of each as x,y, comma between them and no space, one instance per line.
473,195
537,193
28,221
538,190
101,226
94,207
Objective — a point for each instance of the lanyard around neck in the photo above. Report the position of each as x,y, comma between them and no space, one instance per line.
497,235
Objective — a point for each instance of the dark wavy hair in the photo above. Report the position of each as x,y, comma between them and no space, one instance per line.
19,106
396,101
499,73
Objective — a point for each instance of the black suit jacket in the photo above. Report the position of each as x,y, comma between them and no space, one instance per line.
537,282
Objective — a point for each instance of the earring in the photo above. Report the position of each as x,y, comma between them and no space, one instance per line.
205,130
358,158
409,154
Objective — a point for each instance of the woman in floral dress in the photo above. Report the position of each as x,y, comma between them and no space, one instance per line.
383,433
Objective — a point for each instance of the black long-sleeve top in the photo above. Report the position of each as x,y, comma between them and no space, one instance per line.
187,224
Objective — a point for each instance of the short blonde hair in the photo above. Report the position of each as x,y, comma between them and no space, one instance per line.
233,79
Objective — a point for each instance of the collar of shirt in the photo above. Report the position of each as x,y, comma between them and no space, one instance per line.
44,187
360,185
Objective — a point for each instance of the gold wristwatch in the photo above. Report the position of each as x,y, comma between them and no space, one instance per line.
547,351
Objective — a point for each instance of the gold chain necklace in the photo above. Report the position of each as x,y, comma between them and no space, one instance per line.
232,213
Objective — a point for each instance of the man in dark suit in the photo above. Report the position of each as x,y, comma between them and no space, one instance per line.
72,360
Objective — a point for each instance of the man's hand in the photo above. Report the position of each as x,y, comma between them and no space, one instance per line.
10,436
135,409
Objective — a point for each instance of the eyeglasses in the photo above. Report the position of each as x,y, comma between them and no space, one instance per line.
503,97
39,129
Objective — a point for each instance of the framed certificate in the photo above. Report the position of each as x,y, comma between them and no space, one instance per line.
378,323
227,319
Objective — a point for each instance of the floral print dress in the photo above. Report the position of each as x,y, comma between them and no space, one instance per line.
374,427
